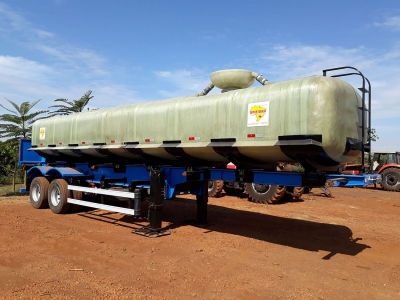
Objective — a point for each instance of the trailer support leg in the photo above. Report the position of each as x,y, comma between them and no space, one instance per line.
202,203
155,207
202,206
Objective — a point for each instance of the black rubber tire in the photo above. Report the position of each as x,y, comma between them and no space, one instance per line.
265,193
391,179
58,195
231,191
293,193
215,188
38,192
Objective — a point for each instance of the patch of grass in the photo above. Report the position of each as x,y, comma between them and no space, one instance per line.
7,190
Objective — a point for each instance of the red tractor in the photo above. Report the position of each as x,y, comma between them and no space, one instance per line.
387,163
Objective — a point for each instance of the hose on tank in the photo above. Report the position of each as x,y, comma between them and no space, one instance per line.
206,90
260,78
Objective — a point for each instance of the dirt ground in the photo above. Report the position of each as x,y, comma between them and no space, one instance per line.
347,247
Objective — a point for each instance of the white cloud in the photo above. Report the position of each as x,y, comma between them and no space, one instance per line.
22,68
302,60
392,23
10,20
183,82
76,58
44,34
382,69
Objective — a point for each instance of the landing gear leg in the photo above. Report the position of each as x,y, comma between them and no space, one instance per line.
155,207
201,190
202,202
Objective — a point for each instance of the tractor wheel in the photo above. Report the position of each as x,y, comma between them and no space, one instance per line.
38,192
58,195
215,188
231,191
391,179
265,193
293,193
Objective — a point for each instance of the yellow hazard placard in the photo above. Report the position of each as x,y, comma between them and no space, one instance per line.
258,114
42,133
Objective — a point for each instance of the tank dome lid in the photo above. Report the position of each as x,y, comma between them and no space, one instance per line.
233,79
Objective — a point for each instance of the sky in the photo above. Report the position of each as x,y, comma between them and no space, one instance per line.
131,51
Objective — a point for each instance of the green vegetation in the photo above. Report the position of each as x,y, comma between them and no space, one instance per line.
17,123
72,106
8,190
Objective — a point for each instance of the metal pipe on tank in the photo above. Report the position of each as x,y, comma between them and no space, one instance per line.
206,90
260,78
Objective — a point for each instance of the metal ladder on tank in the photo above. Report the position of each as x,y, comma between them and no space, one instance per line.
367,146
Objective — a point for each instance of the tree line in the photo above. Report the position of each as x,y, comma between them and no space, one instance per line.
17,123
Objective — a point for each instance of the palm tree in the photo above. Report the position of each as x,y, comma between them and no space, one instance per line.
73,106
18,124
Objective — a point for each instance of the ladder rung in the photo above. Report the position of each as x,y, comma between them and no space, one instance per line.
364,90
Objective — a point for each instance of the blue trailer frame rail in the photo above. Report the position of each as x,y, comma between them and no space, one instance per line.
136,183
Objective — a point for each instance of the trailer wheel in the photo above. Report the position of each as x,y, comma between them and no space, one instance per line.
38,192
265,193
58,195
215,188
391,179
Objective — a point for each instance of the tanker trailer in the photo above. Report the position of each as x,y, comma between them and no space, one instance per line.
158,149
314,120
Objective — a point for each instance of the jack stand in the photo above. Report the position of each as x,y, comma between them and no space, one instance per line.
155,207
202,205
326,191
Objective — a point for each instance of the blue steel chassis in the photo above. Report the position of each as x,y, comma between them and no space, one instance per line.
164,182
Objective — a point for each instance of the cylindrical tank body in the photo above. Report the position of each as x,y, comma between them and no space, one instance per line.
315,120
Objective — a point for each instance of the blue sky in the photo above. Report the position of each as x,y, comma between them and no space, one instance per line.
129,51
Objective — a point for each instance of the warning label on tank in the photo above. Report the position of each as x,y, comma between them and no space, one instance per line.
42,133
258,114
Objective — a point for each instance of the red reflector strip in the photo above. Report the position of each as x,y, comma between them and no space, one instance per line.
41,144
60,143
112,141
83,143
255,135
191,138
194,138
149,140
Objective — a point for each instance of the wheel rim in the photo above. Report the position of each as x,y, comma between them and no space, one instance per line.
391,179
261,188
55,196
36,192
